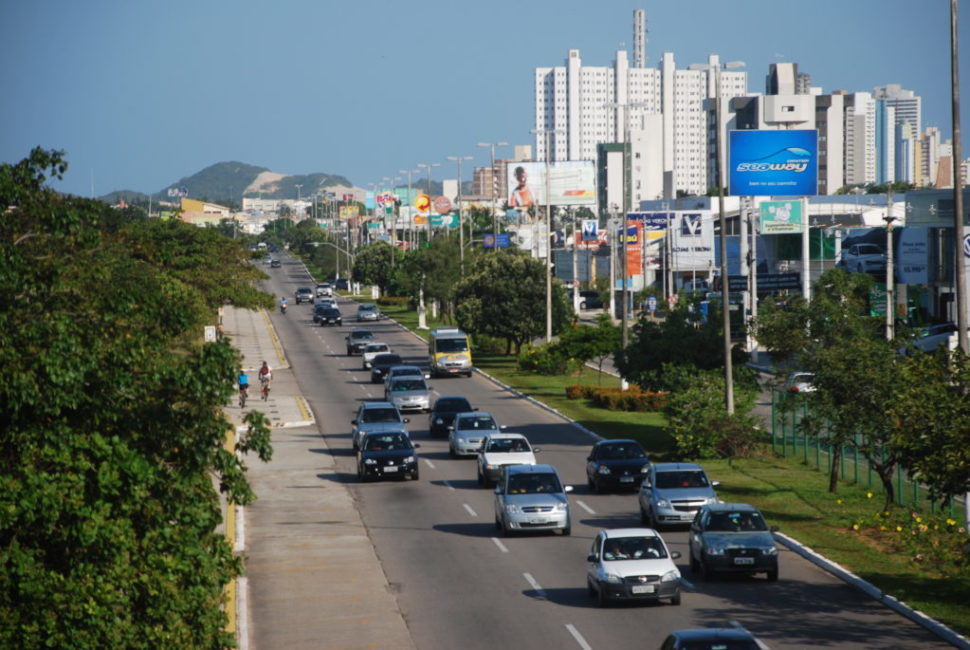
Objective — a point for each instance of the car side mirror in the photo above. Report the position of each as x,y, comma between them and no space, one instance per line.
536,450
353,421
675,555
774,529
589,458
568,488
592,557
715,483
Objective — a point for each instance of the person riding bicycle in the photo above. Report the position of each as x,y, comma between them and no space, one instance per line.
265,377
243,384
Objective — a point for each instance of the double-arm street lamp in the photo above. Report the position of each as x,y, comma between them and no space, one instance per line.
546,133
429,166
494,176
461,227
410,207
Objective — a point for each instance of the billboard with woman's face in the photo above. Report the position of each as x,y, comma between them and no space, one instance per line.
571,182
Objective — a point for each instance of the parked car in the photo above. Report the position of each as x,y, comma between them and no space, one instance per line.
371,350
304,294
499,450
800,382
616,463
408,394
330,316
933,336
863,258
732,538
367,312
383,455
275,264
341,284
711,638
376,417
443,414
531,497
380,364
672,493
324,290
590,300
467,432
631,564
357,339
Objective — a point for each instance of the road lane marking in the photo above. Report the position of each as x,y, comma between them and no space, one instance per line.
469,509
737,625
690,586
502,547
431,465
585,507
449,485
579,637
535,585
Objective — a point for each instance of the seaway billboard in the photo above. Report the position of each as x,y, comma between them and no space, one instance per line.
773,163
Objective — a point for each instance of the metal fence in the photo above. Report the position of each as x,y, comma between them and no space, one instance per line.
789,440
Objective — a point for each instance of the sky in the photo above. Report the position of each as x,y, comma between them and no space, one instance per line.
141,93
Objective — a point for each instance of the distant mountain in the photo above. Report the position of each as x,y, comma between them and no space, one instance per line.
229,181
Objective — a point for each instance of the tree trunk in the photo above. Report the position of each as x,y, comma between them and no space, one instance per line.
836,462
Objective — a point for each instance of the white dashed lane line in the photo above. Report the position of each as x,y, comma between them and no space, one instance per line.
431,465
448,485
540,592
469,509
585,507
502,547
579,637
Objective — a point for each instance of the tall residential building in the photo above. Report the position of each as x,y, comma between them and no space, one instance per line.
929,155
860,139
907,109
582,107
885,142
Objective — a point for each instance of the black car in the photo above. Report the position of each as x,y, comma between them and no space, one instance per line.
275,264
443,414
380,365
712,638
341,284
616,464
732,538
383,455
317,309
304,294
590,300
357,339
330,316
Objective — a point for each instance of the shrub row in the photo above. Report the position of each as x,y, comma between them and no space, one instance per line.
617,399
393,301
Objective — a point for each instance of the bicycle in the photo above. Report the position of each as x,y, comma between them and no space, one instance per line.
264,390
243,394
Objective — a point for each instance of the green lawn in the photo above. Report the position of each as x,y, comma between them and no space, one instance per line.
791,494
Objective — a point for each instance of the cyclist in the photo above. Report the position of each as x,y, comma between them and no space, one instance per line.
265,379
243,388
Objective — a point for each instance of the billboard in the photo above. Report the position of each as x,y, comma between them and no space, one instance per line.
571,182
781,217
692,240
765,163
865,250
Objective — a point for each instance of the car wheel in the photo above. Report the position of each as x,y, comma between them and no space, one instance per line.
567,531
601,598
498,524
451,452
706,574
644,519
859,268
415,475
675,599
582,305
773,575
348,352
694,565
590,590
481,479
506,531
590,484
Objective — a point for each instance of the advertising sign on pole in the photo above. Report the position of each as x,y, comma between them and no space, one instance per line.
764,163
692,240
571,182
781,217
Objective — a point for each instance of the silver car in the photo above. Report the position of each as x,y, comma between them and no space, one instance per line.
466,433
379,417
408,394
672,493
531,497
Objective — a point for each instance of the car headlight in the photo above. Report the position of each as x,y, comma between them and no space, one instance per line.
714,550
409,460
439,421
769,551
491,466
671,576
370,461
661,503
603,469
562,507
645,469
613,579
511,508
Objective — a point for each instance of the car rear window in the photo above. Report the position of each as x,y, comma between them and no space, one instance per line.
387,360
381,415
682,479
457,405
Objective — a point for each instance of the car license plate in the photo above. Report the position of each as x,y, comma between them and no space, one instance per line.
535,520
642,589
744,560
626,479
391,468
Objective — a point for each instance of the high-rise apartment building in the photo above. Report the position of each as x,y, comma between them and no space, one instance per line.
860,139
907,110
929,155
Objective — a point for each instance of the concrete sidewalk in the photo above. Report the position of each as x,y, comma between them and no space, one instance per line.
312,577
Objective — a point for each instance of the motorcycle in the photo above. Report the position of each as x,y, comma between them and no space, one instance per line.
283,309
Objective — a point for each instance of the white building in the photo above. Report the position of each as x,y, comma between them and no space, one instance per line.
581,107
860,139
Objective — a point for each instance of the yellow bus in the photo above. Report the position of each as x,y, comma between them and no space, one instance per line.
449,352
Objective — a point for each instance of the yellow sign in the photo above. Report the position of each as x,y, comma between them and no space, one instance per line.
420,219
349,211
422,202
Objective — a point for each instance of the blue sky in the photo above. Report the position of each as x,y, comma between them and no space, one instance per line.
141,93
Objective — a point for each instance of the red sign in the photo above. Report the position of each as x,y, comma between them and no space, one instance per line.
442,204
633,248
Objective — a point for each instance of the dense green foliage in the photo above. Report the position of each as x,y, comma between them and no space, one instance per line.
113,428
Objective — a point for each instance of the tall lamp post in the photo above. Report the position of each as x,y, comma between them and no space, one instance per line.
429,166
890,270
410,207
546,133
492,145
461,222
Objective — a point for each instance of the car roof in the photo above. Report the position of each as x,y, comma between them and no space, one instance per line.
304,289
530,469
474,413
506,436
408,366
372,405
670,467
617,441
731,507
449,398
361,330
376,343
401,380
386,356
629,532
713,634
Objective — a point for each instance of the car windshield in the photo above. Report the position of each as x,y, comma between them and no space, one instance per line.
376,347
408,384
361,335
477,422
458,405
507,445
406,372
621,452
452,345
534,484
734,522
366,308
387,360
633,548
682,479
721,644
387,442
304,290
381,415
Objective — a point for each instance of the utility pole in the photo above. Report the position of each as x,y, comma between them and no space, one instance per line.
725,285
461,226
429,166
890,272
492,146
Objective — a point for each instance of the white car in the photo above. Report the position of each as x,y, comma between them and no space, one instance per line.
372,349
863,258
327,302
800,382
408,394
404,371
631,564
499,450
466,433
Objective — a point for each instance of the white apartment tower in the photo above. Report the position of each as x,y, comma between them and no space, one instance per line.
907,112
860,139
661,109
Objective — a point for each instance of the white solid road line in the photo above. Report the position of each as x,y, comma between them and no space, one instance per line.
585,507
502,547
535,585
469,509
448,485
579,637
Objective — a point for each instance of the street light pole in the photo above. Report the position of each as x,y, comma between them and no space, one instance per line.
492,145
890,270
546,133
429,166
725,288
461,226
298,186
410,207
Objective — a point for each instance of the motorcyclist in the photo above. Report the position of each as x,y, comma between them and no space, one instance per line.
283,305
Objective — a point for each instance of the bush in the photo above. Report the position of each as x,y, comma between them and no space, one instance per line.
544,360
393,301
485,344
617,399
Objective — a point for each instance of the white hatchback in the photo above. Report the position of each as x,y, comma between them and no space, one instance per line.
499,450
372,349
631,564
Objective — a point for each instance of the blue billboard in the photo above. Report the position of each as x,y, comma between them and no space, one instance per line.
773,163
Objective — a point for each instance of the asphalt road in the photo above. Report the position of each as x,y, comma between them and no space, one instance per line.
458,584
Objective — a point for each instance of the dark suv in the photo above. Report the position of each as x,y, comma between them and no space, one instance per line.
357,339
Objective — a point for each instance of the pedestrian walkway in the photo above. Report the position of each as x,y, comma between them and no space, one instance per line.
313,579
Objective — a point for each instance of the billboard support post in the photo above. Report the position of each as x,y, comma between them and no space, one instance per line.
890,270
806,254
725,292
